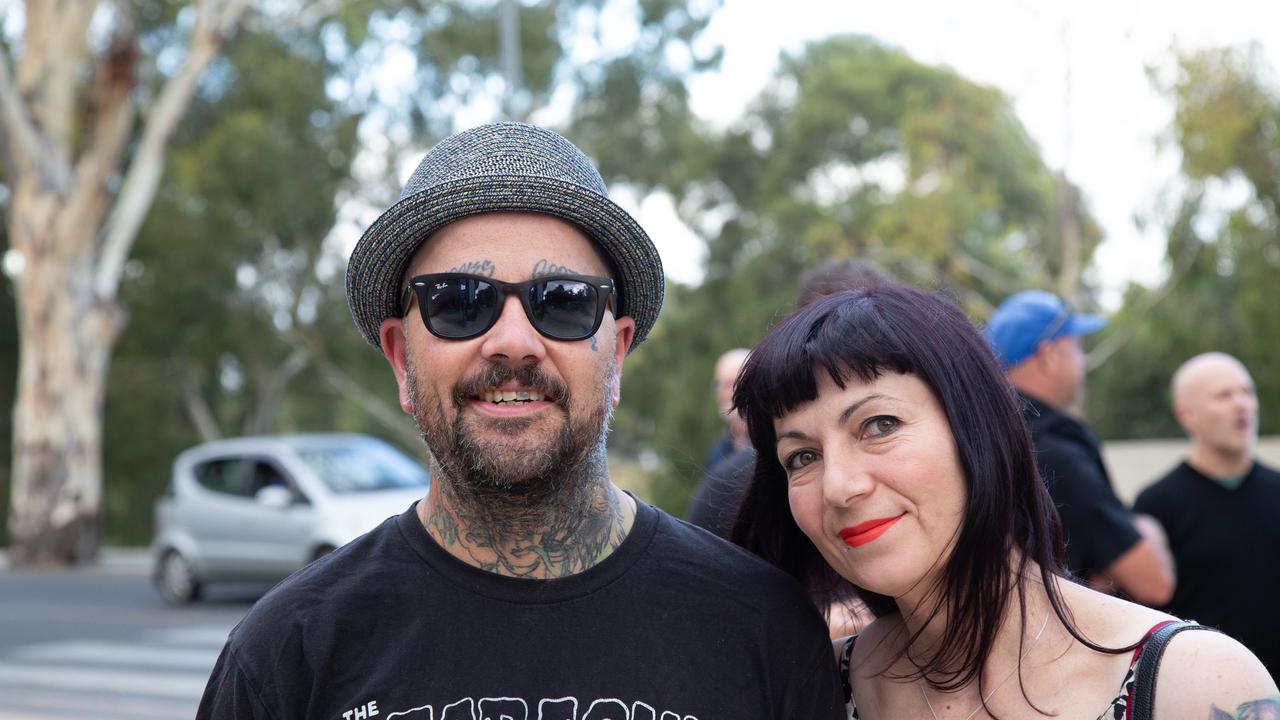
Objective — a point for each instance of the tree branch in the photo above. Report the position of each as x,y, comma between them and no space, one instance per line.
19,139
215,20
1117,339
311,15
389,417
985,272
197,408
54,44
277,382
109,123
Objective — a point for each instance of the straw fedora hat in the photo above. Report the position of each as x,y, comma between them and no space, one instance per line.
502,167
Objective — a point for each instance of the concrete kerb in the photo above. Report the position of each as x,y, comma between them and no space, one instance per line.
112,561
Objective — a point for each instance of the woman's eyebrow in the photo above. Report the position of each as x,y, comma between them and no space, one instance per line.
792,435
849,411
844,417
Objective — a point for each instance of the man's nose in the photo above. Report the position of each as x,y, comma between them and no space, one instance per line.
512,339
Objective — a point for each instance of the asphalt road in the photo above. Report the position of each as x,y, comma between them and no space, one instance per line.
99,643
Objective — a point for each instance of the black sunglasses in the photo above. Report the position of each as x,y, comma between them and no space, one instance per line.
457,306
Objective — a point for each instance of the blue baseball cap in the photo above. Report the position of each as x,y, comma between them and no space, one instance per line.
1025,320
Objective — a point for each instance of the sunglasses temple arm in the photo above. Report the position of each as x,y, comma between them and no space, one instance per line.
406,297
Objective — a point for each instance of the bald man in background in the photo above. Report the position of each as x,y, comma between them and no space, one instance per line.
1221,509
715,500
735,433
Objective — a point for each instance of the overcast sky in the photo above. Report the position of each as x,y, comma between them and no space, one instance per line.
1076,72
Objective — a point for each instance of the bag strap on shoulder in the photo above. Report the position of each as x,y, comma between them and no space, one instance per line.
1144,686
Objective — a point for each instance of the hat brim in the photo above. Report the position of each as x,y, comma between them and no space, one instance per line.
1083,324
376,270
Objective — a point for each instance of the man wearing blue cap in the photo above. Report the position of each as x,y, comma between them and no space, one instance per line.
1036,336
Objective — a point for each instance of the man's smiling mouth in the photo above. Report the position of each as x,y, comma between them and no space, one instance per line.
511,397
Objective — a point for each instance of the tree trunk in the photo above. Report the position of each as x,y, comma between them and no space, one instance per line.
65,337
62,153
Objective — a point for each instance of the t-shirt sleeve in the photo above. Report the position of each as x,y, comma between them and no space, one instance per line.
231,693
816,692
1098,527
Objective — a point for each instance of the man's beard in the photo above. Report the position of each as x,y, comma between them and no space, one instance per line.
496,461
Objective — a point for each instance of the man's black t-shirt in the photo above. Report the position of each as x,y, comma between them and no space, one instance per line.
1098,528
674,625
1226,544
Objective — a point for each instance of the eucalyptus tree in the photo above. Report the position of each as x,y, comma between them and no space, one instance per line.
86,114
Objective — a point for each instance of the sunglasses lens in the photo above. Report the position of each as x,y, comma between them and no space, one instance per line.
564,309
461,307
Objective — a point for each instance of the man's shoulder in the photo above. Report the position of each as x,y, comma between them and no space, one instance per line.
1169,485
325,589
1268,472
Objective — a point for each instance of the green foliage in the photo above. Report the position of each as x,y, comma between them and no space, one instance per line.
855,150
1227,112
222,266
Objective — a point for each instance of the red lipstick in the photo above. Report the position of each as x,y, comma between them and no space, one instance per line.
863,533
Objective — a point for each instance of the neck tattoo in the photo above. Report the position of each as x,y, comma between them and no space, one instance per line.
1000,684
545,545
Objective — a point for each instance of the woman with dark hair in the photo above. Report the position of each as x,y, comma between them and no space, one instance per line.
893,459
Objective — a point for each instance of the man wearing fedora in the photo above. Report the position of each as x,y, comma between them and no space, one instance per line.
506,291
1036,336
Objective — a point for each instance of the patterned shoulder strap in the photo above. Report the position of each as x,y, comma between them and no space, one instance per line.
1142,699
846,661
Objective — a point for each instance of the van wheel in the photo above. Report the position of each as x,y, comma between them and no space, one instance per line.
175,579
321,552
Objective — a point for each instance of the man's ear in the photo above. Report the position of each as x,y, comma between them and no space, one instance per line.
623,335
394,346
1184,415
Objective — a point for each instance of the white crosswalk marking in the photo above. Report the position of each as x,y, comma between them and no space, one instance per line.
159,676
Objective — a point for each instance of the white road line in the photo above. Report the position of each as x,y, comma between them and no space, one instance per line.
119,653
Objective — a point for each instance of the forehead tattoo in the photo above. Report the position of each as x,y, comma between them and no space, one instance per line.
546,267
475,267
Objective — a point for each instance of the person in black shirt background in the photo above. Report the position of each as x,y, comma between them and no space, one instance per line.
1036,336
1220,508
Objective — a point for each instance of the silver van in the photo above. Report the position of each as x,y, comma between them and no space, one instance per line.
259,508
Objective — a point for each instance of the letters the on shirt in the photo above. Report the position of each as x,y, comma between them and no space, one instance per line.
363,712
505,708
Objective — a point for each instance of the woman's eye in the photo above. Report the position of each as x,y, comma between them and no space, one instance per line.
880,426
799,460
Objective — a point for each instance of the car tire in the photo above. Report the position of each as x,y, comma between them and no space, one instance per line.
175,580
321,552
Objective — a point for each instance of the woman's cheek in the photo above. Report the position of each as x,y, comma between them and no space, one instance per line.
807,508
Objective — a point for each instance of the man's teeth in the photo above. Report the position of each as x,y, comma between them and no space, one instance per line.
507,396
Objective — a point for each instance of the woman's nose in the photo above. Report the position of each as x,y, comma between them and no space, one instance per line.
845,481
